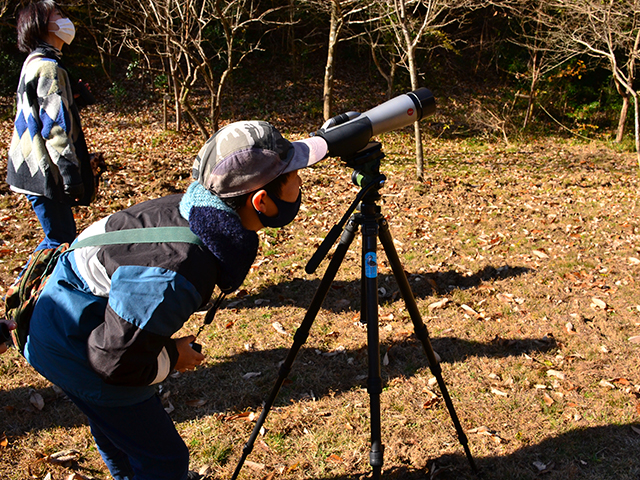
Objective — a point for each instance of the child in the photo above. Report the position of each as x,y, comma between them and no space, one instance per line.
102,327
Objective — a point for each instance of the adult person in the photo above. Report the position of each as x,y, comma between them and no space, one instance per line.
48,157
5,328
102,328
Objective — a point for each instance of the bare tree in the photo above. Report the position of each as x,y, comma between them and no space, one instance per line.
608,30
180,33
412,22
534,23
343,14
4,5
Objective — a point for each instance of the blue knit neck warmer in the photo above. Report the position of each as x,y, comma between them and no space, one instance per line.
220,229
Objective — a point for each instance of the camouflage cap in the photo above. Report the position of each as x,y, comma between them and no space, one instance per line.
244,156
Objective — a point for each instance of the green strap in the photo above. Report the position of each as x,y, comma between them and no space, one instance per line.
139,235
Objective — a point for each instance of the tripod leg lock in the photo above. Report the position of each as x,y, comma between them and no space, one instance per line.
376,459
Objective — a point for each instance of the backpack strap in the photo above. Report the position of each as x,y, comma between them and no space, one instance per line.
151,235
139,235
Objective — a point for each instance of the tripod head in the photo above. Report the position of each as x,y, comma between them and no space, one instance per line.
366,166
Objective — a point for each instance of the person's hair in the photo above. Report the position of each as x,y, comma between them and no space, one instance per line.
273,188
33,23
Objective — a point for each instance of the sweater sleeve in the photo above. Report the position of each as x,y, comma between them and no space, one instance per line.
147,305
57,124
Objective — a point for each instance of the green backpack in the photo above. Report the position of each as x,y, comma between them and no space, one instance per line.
23,294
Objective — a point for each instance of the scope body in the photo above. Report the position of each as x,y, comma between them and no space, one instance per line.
349,132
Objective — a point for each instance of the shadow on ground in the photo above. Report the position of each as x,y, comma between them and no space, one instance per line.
298,291
310,371
570,456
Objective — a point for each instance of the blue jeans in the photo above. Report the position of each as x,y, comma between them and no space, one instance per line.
56,219
137,442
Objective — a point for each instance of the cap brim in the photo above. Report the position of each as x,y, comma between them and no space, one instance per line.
306,153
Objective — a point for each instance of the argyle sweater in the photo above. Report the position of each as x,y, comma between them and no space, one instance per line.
47,146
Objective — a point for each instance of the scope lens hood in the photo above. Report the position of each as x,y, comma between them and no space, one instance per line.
424,101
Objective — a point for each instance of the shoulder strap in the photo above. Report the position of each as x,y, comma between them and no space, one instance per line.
139,235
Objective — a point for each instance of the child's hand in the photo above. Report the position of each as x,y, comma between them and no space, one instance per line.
5,327
188,358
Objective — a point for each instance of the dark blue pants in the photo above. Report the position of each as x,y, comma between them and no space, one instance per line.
56,219
137,442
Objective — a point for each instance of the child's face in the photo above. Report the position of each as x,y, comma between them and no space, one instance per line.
291,188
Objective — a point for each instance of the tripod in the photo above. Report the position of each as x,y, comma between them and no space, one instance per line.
373,226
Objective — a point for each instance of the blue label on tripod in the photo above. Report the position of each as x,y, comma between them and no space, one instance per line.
370,265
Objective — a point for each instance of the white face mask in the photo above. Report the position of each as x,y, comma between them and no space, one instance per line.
66,31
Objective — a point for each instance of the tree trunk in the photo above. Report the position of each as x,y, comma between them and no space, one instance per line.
334,32
535,74
413,71
637,125
623,118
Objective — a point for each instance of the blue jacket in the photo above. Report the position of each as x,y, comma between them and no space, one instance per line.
102,327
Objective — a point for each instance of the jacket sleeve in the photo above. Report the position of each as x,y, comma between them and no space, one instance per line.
58,126
133,346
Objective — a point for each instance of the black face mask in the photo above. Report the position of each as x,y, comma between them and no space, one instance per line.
287,211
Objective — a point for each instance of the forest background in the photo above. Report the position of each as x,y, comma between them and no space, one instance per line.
514,209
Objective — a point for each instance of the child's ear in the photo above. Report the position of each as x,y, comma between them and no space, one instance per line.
258,200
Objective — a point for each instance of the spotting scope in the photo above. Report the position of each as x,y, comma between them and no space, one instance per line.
349,132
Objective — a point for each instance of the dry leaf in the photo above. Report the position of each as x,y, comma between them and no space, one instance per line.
438,304
239,416
335,352
540,466
634,261
293,467
547,400
4,442
606,384
205,470
66,458
250,375
433,399
430,403
480,430
635,339
570,328
635,429
36,400
469,310
254,465
76,476
385,360
279,328
500,393
597,303
621,381
505,297
198,402
485,431
335,458
540,254
555,373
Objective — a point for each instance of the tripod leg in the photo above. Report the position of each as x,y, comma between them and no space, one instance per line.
301,335
422,332
369,283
